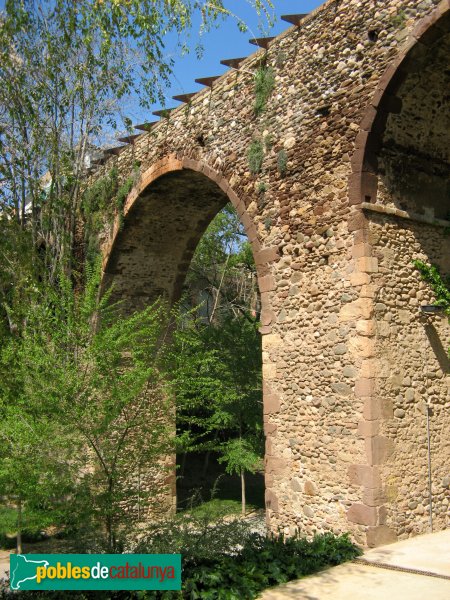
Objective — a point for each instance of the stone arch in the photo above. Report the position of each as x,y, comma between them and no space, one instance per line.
149,234
363,185
173,165
391,225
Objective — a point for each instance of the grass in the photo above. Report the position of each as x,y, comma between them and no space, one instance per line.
217,508
216,485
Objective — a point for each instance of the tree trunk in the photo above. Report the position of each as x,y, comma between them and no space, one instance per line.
19,526
243,492
183,464
206,463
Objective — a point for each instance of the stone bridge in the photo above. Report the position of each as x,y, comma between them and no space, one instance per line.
352,187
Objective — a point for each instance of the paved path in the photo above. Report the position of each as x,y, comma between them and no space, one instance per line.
4,563
428,556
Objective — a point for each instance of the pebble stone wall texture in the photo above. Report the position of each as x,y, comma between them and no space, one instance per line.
360,110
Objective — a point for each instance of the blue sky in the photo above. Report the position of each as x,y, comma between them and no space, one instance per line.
224,41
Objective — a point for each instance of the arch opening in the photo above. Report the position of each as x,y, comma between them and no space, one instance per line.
150,258
413,159
404,175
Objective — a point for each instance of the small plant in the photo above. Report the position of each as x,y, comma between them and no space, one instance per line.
399,19
282,160
262,188
280,59
255,157
268,223
440,284
268,142
264,84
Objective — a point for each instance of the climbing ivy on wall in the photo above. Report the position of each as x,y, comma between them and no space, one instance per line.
440,284
101,203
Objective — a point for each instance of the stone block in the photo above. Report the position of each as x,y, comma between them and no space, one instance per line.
269,371
386,408
266,284
368,368
361,250
380,535
271,341
275,465
378,449
356,310
367,264
357,278
267,316
364,475
371,410
362,514
361,346
364,387
374,497
368,428
267,255
356,221
271,403
271,501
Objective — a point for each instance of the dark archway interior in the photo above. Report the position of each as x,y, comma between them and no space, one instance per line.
413,158
152,253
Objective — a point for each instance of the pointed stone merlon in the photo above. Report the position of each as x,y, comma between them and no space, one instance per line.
129,139
116,150
145,126
232,62
184,97
208,81
262,42
294,19
164,113
99,161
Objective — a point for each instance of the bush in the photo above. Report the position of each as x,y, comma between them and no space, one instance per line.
233,573
255,157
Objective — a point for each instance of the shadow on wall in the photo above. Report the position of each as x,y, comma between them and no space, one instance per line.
438,349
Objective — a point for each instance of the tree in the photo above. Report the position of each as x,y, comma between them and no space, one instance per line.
66,69
240,456
217,373
222,276
86,385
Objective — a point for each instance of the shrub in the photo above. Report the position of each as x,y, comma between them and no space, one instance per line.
282,160
255,156
216,566
264,84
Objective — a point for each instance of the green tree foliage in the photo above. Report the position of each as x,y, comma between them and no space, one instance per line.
74,373
85,386
217,357
66,69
